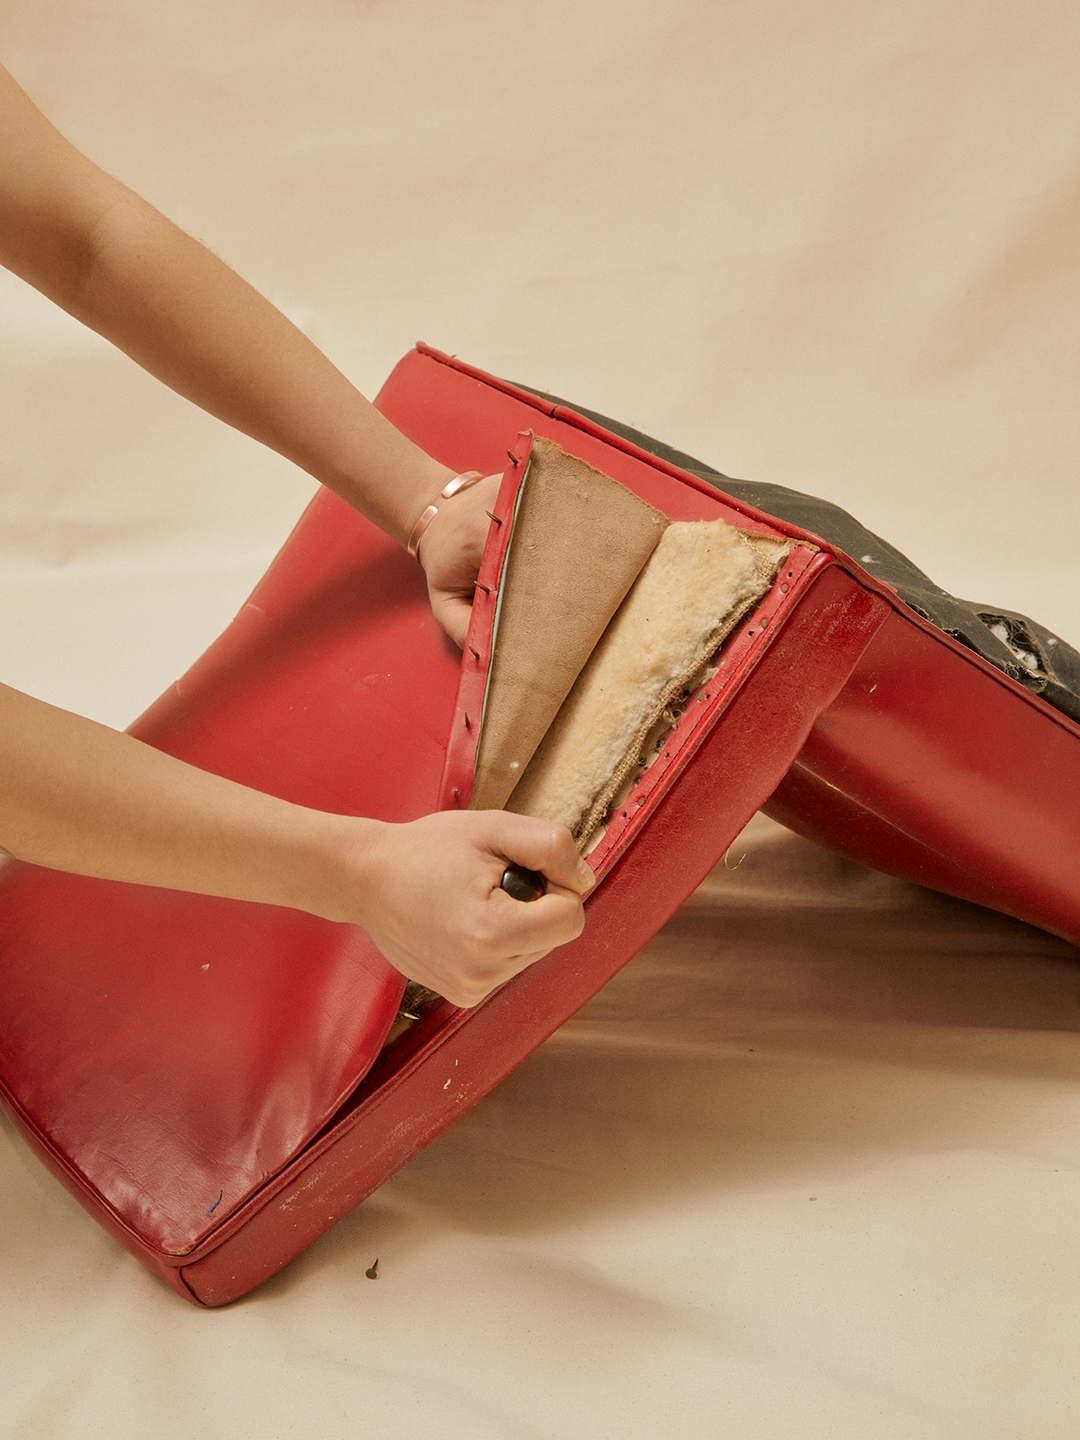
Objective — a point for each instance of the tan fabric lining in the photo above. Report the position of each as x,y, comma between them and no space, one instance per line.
608,614
701,580
580,540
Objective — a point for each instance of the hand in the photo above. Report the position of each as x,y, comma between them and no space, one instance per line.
431,899
451,551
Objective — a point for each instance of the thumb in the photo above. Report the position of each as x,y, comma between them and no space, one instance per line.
453,613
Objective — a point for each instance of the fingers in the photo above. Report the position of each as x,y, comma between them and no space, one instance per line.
542,925
522,934
541,845
451,552
432,902
453,612
516,937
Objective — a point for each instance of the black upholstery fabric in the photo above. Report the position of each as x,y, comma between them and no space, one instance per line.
1022,648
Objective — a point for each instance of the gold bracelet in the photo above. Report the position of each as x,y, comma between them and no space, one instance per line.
450,489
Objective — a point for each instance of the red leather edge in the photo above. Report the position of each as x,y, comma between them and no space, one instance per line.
459,771
934,773
737,766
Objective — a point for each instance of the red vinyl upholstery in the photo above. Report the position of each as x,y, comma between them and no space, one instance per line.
206,1076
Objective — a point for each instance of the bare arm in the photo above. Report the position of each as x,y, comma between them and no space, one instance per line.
111,260
77,796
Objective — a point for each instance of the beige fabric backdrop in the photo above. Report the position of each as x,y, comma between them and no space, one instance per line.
811,1165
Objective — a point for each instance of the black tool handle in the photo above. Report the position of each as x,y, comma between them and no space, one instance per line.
522,884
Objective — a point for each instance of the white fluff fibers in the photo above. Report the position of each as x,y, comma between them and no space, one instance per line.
701,573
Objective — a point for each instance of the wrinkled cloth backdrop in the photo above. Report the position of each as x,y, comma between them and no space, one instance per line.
810,1166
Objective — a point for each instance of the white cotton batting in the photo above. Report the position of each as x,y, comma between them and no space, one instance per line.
701,579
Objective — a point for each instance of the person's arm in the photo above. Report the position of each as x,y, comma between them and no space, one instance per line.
77,796
111,260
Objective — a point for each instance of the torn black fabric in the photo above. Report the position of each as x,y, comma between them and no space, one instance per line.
1017,645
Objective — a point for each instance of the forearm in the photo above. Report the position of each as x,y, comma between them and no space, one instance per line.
185,317
77,796
188,319
110,259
